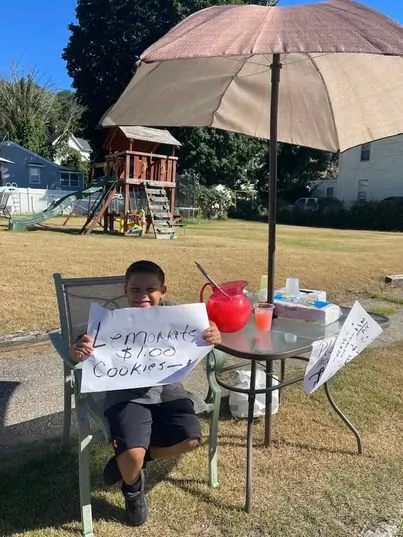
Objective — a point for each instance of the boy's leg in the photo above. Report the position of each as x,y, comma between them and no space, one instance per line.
130,425
175,430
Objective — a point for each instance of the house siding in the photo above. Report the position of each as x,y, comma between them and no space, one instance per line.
382,174
23,159
73,144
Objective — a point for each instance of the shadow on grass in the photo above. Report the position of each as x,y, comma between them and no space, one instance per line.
42,492
200,489
278,443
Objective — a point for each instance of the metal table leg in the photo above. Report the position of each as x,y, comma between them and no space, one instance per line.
249,447
269,399
344,418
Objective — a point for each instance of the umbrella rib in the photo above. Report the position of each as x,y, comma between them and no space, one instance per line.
327,97
232,78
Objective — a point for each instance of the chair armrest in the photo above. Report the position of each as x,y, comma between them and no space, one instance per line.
62,348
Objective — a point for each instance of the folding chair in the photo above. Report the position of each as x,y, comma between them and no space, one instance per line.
74,297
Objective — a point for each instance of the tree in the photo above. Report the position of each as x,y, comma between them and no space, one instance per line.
26,109
297,167
101,58
105,44
67,113
220,157
72,159
66,118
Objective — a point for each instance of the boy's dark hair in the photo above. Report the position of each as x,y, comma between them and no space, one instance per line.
145,267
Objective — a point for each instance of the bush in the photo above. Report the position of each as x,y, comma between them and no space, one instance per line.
376,216
215,201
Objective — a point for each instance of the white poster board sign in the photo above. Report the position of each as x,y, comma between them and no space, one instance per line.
329,355
141,347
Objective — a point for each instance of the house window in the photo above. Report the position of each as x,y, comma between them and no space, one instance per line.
330,192
365,152
34,175
69,179
362,193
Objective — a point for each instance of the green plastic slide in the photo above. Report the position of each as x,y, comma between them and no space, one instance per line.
55,208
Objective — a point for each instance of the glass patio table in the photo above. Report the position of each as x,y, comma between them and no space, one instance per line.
287,339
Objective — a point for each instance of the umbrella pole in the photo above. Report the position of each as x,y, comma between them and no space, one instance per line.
275,83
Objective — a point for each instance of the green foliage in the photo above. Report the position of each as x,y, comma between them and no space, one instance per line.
372,215
186,186
101,56
214,202
220,157
297,167
31,112
25,111
71,158
66,113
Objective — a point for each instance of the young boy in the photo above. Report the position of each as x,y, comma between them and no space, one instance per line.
146,423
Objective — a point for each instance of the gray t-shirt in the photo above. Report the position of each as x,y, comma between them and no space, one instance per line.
148,396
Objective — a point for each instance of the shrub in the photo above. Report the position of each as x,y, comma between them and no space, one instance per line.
377,216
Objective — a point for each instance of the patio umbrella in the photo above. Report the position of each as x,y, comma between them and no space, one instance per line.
341,79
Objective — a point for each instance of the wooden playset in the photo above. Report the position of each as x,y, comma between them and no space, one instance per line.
141,164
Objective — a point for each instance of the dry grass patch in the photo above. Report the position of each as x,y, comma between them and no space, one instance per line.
336,260
310,483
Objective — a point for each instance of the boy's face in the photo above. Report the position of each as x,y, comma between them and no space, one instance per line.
144,291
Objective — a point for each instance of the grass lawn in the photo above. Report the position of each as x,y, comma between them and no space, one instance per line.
345,263
310,483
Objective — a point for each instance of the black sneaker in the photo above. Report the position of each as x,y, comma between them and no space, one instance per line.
111,474
136,503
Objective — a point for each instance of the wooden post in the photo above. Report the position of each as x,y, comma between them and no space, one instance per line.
173,189
106,219
126,205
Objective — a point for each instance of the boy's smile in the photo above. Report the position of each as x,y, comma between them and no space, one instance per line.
144,290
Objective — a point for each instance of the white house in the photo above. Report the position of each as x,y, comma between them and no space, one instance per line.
81,145
369,172
372,171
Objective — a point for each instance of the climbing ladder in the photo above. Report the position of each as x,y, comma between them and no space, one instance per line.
159,211
15,197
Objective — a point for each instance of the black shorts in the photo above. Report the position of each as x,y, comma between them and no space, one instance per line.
165,424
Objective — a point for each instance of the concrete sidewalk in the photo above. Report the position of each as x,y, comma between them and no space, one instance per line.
31,395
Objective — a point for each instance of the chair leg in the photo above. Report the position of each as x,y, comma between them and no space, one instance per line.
68,394
84,440
215,394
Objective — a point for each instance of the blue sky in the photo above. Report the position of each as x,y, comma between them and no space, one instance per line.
33,34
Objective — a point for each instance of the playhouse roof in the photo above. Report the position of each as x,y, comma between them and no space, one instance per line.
147,134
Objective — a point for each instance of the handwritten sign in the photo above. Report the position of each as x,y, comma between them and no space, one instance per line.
136,347
329,355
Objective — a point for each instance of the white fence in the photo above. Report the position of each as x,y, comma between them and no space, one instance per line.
35,200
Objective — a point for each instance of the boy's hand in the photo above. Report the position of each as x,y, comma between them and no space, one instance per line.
82,348
212,335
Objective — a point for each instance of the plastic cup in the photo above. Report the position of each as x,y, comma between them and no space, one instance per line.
263,315
292,288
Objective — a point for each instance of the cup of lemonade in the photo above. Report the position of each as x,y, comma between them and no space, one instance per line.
263,315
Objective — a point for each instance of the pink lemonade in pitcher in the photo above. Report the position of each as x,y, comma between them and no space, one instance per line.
230,313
